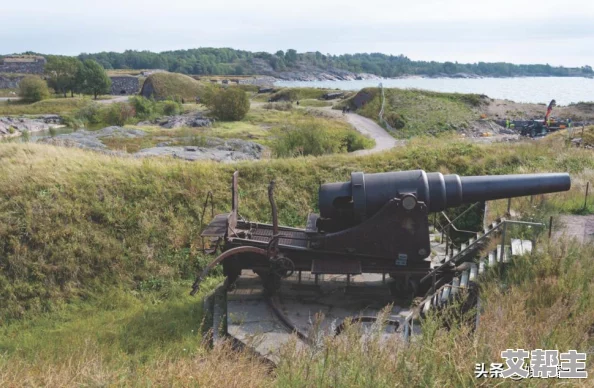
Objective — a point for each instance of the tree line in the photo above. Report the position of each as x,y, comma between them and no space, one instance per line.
71,75
227,61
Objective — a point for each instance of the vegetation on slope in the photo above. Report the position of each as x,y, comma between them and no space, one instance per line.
173,86
75,222
98,254
419,112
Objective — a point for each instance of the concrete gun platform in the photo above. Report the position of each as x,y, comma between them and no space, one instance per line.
311,306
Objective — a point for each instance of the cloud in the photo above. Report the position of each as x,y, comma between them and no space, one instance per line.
463,30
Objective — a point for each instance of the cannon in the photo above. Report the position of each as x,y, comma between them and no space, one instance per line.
374,223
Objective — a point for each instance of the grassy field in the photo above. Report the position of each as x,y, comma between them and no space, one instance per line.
58,106
423,112
268,127
99,253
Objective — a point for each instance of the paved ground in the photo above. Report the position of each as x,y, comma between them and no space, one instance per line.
9,98
579,227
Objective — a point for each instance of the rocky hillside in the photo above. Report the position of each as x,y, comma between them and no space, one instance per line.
304,71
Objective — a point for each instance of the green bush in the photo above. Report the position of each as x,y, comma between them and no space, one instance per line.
73,122
312,138
231,104
145,108
33,89
395,120
90,114
170,108
119,113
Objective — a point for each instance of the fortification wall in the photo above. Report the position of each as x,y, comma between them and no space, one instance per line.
124,85
10,82
22,65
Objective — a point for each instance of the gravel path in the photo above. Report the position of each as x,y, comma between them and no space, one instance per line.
383,140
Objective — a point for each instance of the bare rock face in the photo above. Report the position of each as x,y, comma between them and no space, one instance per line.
213,149
210,148
92,139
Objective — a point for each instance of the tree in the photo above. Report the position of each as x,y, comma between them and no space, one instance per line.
92,79
291,56
230,104
61,73
33,89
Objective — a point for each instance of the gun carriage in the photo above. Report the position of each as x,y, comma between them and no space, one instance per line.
374,223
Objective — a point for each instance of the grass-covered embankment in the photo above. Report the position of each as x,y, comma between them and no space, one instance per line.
59,106
98,254
420,112
73,221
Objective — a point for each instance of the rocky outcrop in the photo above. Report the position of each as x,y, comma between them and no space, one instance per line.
229,151
15,126
210,148
194,120
92,139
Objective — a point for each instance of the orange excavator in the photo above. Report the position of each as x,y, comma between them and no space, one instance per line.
547,118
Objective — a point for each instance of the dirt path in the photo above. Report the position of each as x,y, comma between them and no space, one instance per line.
114,99
383,140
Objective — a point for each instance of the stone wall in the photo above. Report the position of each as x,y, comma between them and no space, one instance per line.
10,82
22,64
124,85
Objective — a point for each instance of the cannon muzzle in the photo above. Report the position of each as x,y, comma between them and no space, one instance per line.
366,194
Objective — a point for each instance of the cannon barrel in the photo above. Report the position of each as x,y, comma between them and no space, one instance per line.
366,194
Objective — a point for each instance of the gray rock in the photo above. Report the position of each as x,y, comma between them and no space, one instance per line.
195,153
91,139
15,126
188,120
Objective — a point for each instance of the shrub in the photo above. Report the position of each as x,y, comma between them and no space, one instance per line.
353,141
171,108
312,138
395,120
73,122
230,104
90,114
33,89
145,108
119,114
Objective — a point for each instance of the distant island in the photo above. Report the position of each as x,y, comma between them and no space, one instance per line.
290,65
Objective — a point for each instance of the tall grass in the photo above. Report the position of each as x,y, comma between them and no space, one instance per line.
542,301
98,253
55,106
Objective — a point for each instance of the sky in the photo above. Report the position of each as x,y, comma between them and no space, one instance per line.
517,31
